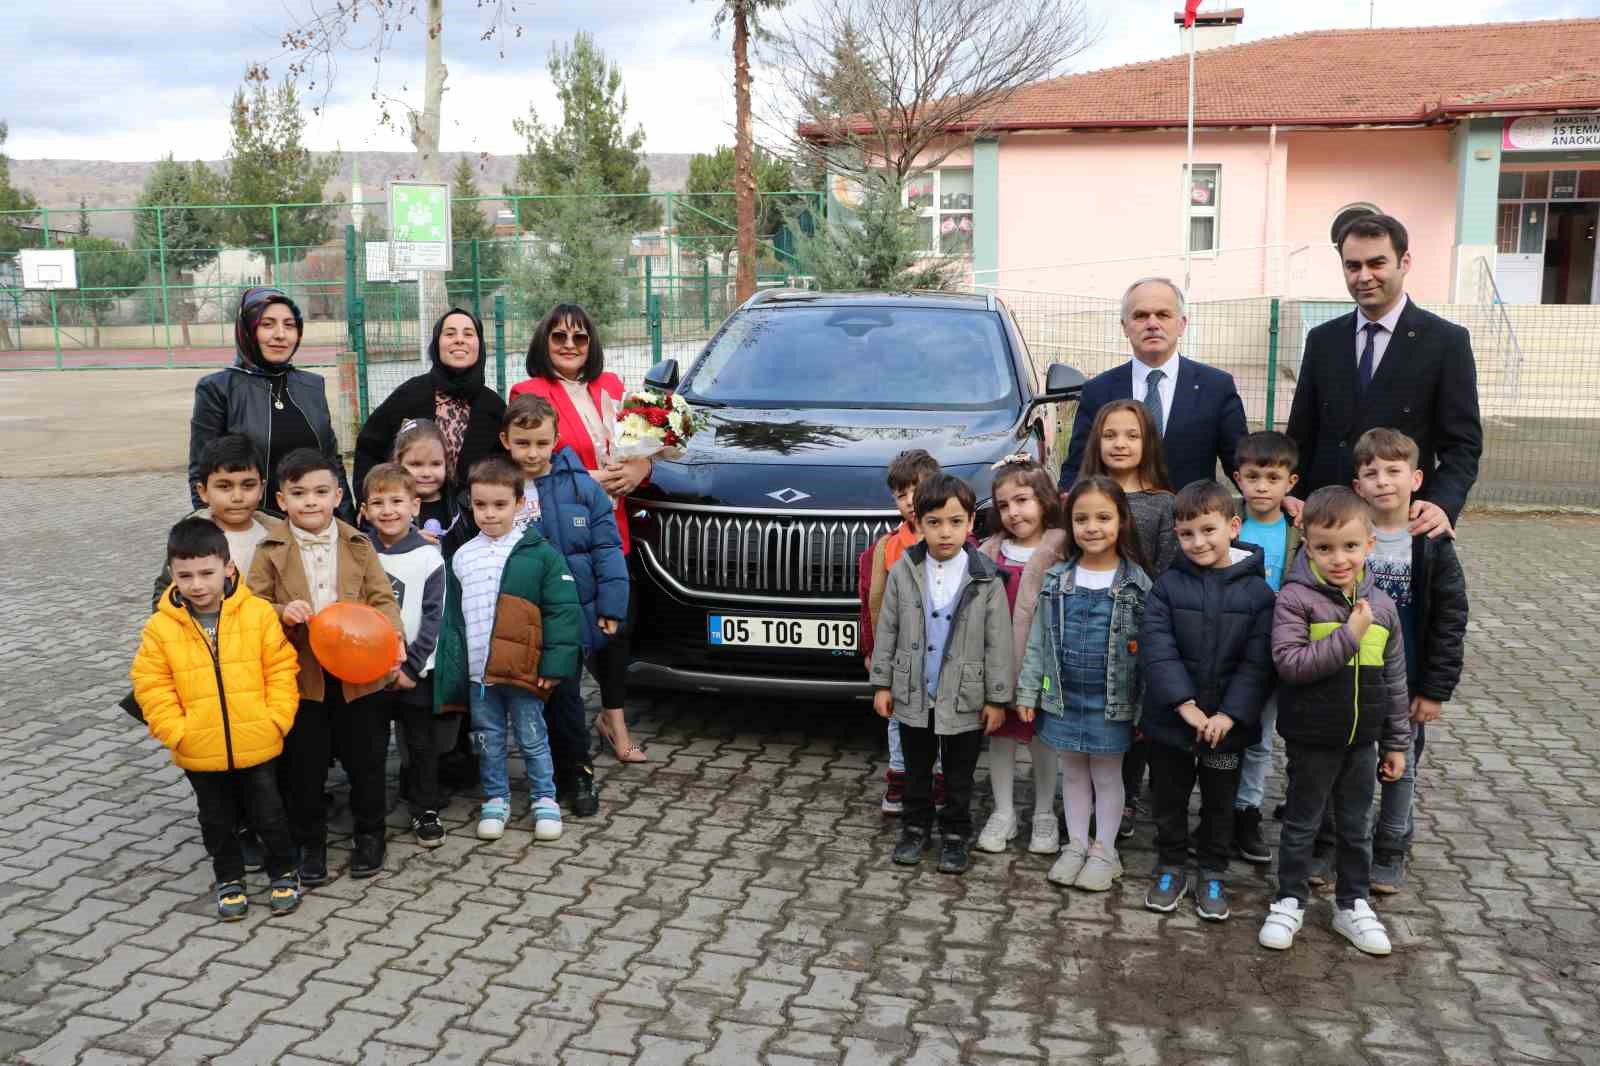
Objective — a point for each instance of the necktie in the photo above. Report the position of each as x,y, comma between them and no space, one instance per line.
1152,400
1368,353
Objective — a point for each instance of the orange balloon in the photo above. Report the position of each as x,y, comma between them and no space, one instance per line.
354,642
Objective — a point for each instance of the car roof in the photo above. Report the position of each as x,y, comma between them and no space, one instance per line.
915,298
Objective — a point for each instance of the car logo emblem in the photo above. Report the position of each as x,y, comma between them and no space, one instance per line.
788,495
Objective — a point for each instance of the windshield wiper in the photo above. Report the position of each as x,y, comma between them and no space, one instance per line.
699,402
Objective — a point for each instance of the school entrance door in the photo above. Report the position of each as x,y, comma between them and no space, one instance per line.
1569,254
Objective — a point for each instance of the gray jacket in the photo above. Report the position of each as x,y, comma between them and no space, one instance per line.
1039,682
978,661
239,400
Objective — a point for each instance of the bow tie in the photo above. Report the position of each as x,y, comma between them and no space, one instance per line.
325,539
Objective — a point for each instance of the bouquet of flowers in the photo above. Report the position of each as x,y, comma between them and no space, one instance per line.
652,423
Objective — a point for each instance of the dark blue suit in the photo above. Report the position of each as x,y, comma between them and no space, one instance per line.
1206,423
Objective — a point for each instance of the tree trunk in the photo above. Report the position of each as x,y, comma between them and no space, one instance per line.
744,178
425,137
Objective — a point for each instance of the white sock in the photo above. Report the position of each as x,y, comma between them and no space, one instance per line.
1045,767
1003,773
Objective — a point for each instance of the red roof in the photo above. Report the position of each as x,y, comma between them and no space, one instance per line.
1333,78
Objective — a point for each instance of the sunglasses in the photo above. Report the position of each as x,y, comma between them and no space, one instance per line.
561,337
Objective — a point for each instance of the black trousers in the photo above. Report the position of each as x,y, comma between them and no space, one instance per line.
418,729
1173,774
568,726
226,799
1133,767
960,753
1320,778
363,732
610,664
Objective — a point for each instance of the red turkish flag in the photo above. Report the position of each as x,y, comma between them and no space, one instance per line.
1190,9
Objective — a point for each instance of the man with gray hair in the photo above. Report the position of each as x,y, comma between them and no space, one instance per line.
1196,408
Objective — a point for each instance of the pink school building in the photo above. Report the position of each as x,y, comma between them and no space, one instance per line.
1484,140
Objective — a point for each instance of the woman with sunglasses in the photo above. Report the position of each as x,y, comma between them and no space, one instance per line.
566,365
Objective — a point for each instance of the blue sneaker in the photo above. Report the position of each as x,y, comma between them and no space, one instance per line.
1211,899
546,819
1168,888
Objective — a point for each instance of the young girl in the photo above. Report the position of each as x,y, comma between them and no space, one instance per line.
1030,543
1081,670
419,447
1125,447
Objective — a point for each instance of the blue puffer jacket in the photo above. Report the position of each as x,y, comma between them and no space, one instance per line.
578,518
1207,637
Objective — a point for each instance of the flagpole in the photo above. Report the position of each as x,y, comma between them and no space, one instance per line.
1188,184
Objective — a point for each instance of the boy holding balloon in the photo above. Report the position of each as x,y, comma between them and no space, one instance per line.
307,564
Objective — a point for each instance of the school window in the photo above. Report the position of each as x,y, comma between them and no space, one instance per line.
943,199
1204,222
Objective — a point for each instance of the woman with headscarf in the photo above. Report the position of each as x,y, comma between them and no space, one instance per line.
265,397
452,394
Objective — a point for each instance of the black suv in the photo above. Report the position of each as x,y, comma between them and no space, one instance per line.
745,551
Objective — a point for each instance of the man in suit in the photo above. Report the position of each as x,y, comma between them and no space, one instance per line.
1387,363
1196,408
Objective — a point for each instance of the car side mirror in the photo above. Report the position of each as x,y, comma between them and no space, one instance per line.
1062,383
664,375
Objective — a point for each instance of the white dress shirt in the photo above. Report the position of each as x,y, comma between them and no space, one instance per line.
1167,389
319,557
1380,340
944,578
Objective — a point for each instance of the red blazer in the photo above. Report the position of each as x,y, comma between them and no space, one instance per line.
572,434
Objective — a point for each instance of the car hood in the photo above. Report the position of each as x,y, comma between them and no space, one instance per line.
817,459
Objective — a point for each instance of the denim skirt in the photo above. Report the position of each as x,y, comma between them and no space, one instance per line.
1081,650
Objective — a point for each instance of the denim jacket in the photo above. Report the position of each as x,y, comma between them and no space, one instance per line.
1039,683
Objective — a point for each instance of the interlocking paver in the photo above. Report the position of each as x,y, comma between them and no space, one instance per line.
733,902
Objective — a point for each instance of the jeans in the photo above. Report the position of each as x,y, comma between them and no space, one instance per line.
959,752
229,798
1323,778
1257,760
1395,824
499,714
1172,778
363,741
567,724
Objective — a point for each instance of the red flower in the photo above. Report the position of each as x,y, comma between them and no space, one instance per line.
655,416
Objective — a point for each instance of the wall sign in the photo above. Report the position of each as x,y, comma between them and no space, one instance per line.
1545,133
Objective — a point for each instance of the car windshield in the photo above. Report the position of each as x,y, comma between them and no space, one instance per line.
908,357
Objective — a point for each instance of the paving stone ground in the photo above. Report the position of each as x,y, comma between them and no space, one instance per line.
734,903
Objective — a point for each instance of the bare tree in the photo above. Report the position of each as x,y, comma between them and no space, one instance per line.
884,89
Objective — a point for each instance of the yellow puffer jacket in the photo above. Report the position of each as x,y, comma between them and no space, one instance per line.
175,678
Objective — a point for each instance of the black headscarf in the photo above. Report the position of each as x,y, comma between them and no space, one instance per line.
463,383
251,307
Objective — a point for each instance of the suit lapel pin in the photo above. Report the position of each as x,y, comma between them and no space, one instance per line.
1411,333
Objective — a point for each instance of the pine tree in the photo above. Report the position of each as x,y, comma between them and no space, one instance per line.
592,137
18,210
708,216
469,222
880,249
268,163
184,238
574,255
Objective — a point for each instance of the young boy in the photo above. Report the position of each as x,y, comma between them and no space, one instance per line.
570,509
310,561
943,666
1267,462
909,469
512,633
1336,641
1205,650
416,570
1424,579
216,678
230,486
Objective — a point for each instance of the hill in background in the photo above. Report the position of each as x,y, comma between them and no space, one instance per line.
59,183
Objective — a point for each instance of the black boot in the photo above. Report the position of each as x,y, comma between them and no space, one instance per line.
955,856
366,858
912,843
1247,839
314,865
585,793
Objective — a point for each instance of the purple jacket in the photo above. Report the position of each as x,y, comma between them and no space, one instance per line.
1334,690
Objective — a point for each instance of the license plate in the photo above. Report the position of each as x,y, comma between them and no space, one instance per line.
821,634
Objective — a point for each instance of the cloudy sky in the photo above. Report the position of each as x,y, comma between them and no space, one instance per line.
136,79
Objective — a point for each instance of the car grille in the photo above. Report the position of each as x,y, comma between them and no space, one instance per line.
728,550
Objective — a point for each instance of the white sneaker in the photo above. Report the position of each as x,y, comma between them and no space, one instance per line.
1068,866
1100,870
1283,922
492,819
1362,928
1046,839
546,820
998,831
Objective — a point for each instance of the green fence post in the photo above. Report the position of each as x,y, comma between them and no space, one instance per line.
358,325
277,261
705,290
477,284
350,293
653,316
1272,360
166,304
649,283
500,343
